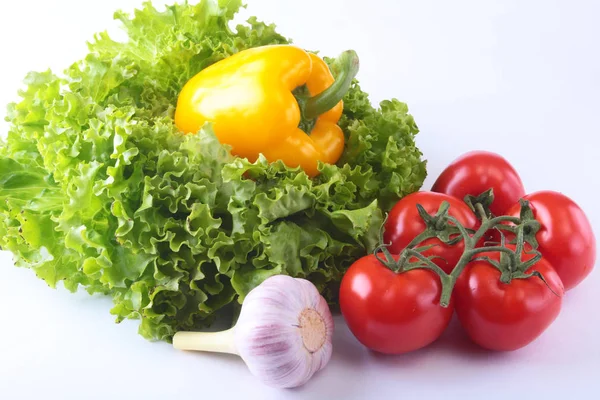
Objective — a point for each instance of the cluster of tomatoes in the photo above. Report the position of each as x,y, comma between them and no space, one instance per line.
395,312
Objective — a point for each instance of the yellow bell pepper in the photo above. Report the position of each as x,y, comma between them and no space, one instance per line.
259,99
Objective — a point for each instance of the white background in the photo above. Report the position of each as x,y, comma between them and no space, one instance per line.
521,78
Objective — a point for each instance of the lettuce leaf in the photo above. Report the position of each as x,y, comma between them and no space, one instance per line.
98,189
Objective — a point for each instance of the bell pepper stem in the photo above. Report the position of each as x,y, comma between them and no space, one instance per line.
347,64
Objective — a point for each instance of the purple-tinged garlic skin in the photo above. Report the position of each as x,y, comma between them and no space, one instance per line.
284,331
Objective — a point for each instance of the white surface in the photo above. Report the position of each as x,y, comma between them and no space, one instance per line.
519,78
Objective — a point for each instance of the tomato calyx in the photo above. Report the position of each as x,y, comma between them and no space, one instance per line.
437,226
511,264
480,204
405,263
531,225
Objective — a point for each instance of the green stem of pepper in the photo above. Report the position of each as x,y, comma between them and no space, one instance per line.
346,66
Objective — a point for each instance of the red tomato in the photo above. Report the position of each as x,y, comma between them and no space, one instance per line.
390,312
506,317
478,171
566,238
404,224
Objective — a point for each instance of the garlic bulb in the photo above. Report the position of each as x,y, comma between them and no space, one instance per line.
283,333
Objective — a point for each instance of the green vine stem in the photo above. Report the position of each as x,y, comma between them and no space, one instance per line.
443,225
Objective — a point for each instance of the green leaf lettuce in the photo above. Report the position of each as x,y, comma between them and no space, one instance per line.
99,190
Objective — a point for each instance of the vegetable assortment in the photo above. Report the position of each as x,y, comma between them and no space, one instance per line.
196,170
